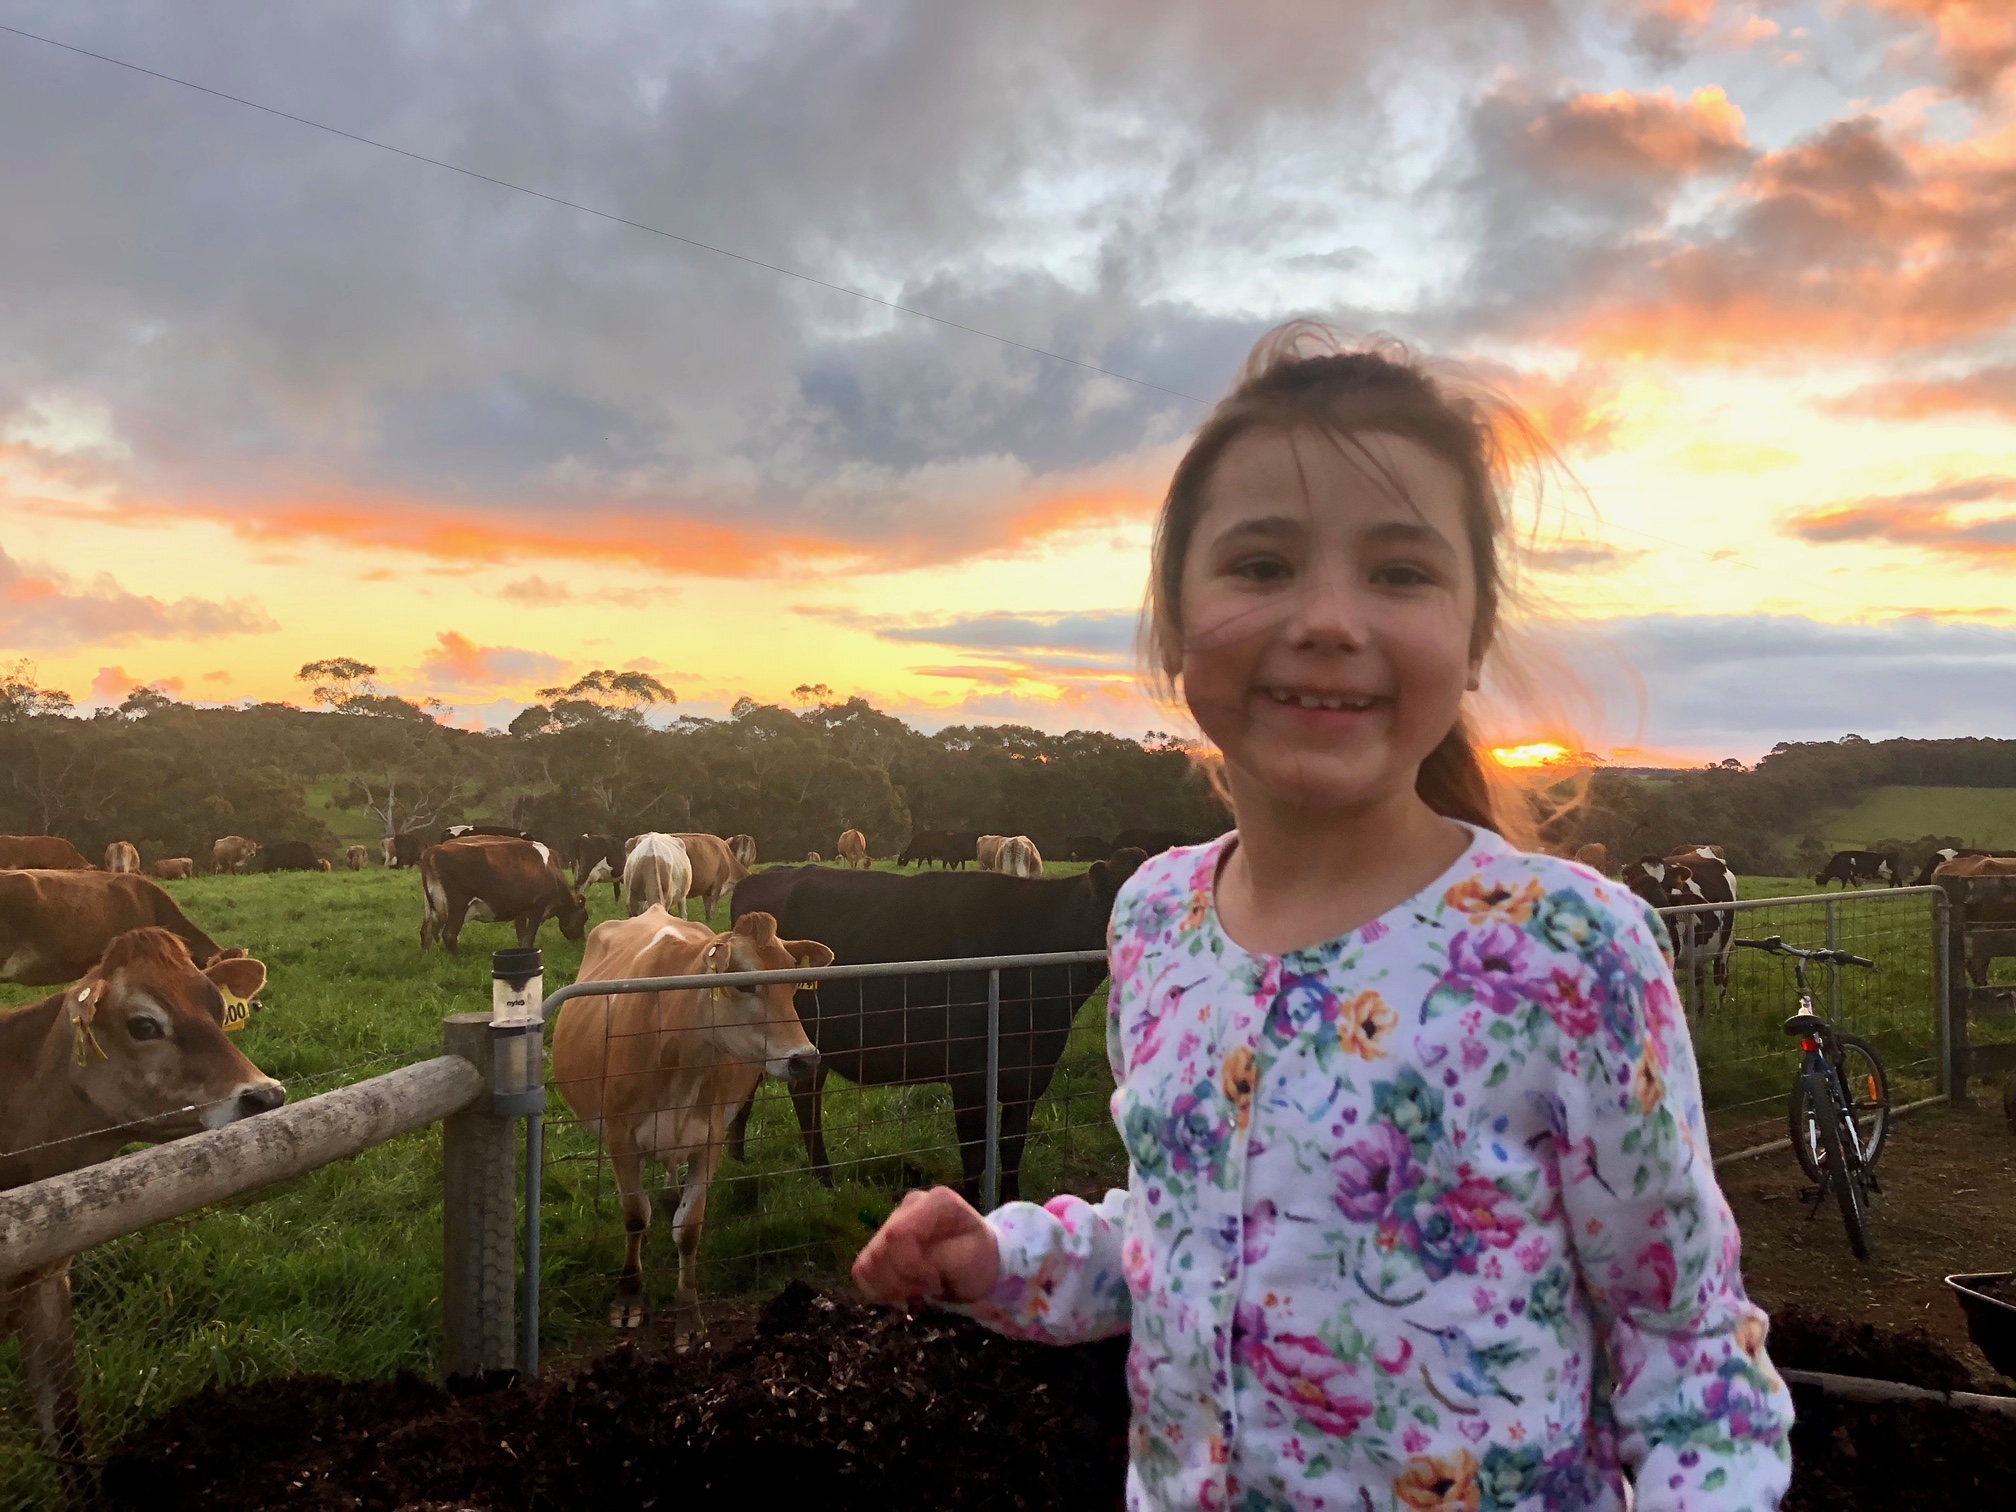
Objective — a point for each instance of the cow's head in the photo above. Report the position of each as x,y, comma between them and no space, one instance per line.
1106,876
1648,877
150,1049
768,1016
572,912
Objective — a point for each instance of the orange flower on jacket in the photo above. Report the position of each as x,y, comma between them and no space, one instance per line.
1647,1085
1237,1078
1495,904
1439,1482
1363,1024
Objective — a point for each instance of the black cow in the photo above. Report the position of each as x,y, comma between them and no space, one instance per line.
464,831
593,850
1154,841
405,849
1086,848
897,1030
290,855
925,845
1852,866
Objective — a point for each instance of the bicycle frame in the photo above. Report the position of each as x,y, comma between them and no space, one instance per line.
1821,1069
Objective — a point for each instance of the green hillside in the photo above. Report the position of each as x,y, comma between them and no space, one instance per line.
1981,816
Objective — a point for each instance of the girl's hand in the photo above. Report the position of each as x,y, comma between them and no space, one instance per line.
934,1247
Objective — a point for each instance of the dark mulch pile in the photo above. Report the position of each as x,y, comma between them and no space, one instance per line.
1802,1339
849,1407
842,1407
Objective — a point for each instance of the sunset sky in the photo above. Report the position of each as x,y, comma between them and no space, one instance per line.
268,394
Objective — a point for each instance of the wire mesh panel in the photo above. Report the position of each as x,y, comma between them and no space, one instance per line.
1747,1061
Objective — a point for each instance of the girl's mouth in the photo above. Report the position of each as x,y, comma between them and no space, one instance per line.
1298,698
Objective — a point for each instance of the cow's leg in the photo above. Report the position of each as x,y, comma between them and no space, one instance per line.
48,1351
688,1221
738,1129
808,1098
969,1119
626,1162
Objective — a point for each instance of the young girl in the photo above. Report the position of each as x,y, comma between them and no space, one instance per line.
1420,1213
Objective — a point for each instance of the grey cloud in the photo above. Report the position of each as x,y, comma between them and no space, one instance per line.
1099,632
43,608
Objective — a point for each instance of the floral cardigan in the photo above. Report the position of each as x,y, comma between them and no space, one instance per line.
1419,1218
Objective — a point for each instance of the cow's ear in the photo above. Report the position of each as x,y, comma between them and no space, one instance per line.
238,977
808,953
81,1003
1102,877
1679,876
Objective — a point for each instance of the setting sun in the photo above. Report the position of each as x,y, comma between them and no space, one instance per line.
1539,754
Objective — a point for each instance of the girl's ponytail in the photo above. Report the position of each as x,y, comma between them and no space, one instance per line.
1452,780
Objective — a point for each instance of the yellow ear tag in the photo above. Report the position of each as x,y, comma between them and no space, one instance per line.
82,1032
237,1010
804,961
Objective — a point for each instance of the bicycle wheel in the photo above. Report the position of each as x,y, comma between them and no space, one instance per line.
1836,1174
1868,1087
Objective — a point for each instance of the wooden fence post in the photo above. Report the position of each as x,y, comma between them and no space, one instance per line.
479,1216
1958,1055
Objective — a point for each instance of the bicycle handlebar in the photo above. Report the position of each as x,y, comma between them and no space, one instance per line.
1775,945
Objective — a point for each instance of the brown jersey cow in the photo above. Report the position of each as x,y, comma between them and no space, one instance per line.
494,878
178,868
716,868
55,924
122,856
40,853
134,1051
233,853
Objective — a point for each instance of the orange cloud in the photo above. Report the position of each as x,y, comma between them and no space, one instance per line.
1944,519
1624,133
1990,389
1976,38
112,684
458,662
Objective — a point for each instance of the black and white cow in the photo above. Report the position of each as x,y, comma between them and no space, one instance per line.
1850,867
1702,941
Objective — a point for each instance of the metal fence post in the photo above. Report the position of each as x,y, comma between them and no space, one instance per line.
1941,993
1833,971
479,1215
1953,954
990,1180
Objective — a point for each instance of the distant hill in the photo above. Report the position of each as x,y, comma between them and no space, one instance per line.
1983,816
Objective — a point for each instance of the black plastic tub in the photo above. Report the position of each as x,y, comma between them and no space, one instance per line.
1989,1301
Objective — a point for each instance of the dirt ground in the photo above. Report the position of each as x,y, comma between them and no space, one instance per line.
1948,1205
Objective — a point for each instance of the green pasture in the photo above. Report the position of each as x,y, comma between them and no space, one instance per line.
339,1272
1984,817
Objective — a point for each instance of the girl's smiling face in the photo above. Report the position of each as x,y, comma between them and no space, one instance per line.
1328,597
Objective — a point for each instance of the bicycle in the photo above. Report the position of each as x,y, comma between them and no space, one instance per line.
1840,1107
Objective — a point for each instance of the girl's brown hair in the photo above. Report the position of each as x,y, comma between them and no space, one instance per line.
1302,377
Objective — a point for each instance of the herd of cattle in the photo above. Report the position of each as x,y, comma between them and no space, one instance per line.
137,1045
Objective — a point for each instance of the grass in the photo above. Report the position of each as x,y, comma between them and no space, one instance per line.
1984,817
339,1272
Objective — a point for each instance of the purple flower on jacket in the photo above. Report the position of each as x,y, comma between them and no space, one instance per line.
1299,1372
1299,1000
1372,1173
1446,1225
1734,1400
1194,1133
1259,1231
1490,964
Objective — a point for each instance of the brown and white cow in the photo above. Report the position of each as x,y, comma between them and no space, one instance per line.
1017,856
173,868
986,848
122,856
1991,908
743,849
1595,855
233,853
134,1051
657,870
40,853
715,867
660,1074
852,849
54,925
492,879
812,857
355,857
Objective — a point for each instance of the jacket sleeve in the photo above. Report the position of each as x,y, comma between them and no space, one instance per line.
1062,1276
1703,1418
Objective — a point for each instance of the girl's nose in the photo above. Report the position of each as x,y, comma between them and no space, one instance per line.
1328,614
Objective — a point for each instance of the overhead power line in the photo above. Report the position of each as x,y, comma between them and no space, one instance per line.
635,225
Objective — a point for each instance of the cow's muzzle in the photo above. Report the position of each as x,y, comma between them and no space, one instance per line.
800,1068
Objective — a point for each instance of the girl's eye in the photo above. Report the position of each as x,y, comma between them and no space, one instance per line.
141,1027
1402,575
1262,570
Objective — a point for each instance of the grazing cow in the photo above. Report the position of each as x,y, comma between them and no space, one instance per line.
495,831
1087,848
40,853
743,849
598,858
813,857
177,868
135,1051
1154,841
1017,856
895,1030
402,850
985,849
122,856
54,925
659,1074
658,871
924,846
1991,908
494,879
233,853
1849,867
355,857
715,869
1596,856
291,855
852,849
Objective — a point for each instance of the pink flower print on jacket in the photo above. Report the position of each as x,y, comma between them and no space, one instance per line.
1300,1374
